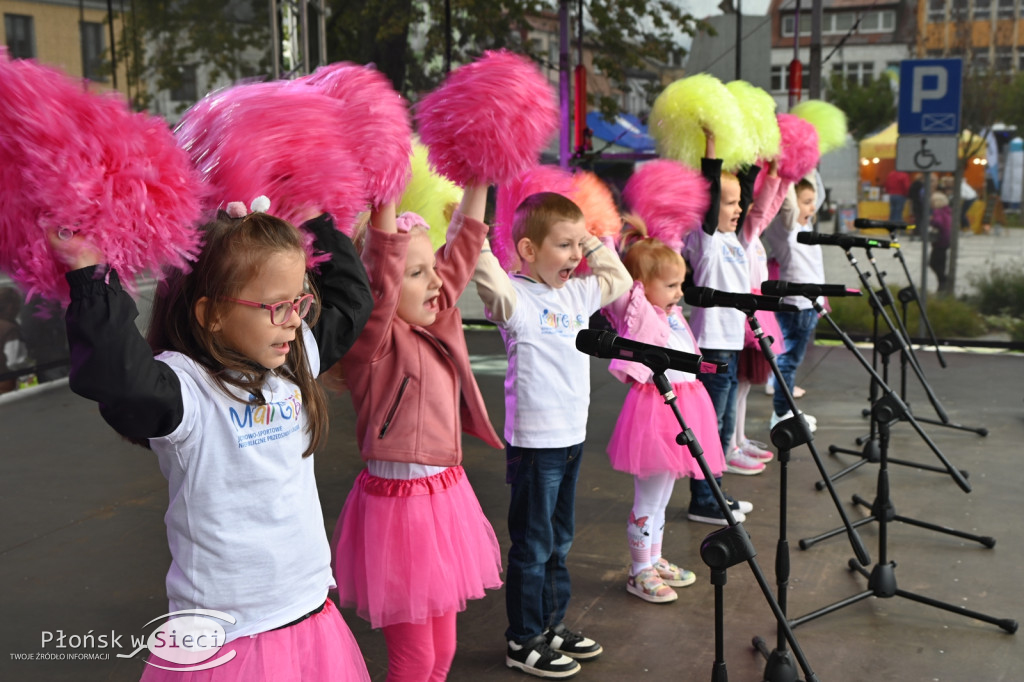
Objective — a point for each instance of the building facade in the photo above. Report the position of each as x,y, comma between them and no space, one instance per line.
71,35
860,41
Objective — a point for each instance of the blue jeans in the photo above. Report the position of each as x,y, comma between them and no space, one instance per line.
722,388
896,204
797,332
701,497
541,525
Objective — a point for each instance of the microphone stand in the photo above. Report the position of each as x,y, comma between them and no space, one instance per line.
870,453
882,578
786,435
906,295
724,547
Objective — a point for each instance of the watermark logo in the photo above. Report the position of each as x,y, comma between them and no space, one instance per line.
189,639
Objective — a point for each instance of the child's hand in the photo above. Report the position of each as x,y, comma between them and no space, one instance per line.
72,250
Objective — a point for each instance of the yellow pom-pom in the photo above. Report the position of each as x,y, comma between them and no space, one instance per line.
686,108
828,119
758,109
429,195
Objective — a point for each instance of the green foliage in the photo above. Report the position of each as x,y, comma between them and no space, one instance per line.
163,39
1000,291
867,107
625,35
950,318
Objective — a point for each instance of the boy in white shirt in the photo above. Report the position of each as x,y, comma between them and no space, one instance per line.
547,395
801,263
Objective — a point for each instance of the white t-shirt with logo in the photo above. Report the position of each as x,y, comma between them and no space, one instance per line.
244,522
719,262
547,385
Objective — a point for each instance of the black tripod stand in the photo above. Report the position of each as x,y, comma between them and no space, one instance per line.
882,578
897,339
725,547
786,435
907,295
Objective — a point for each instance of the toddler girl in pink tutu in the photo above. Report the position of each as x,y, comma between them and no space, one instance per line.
643,442
412,545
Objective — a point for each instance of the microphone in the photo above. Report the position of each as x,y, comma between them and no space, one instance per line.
775,287
867,223
606,344
844,240
703,297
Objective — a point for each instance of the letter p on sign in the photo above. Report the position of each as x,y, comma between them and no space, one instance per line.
930,82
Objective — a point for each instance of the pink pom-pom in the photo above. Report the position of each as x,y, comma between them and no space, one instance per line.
279,140
73,159
670,198
376,123
511,194
489,121
798,151
236,209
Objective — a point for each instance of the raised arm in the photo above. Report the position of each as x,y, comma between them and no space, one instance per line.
493,286
344,289
612,276
111,362
711,169
766,205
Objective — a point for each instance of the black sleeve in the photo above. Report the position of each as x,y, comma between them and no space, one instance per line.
711,169
111,362
747,176
345,298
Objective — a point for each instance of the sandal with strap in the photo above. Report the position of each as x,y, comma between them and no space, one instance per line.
649,586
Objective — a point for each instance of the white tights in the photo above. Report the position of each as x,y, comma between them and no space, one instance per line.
646,526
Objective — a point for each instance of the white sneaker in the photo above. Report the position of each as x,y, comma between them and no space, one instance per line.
738,462
812,423
756,450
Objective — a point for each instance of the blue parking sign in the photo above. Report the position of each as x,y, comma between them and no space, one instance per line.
930,96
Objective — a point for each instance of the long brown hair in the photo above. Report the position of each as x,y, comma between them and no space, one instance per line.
233,251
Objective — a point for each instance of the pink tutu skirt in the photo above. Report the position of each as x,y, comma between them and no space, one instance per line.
406,551
320,647
644,440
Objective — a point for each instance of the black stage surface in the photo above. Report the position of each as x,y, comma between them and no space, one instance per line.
82,547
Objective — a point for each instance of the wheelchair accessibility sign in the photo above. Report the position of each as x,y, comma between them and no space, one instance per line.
921,153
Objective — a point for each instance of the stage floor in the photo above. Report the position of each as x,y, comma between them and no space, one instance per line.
83,547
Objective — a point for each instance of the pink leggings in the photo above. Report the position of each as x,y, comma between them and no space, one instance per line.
423,652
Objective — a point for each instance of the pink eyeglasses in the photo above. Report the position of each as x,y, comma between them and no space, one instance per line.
281,312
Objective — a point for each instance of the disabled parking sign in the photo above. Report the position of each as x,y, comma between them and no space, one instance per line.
930,97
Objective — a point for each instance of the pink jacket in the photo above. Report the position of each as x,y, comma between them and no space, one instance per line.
635,318
412,387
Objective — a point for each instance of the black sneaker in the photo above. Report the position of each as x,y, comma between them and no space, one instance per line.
572,644
713,514
536,658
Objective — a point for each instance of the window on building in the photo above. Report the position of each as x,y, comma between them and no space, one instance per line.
936,11
843,21
186,90
982,10
1004,60
958,9
857,73
21,36
1006,9
805,24
91,34
979,60
780,77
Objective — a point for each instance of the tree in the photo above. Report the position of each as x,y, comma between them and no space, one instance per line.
867,107
164,40
625,35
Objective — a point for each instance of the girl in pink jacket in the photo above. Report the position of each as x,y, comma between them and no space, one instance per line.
412,545
643,442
